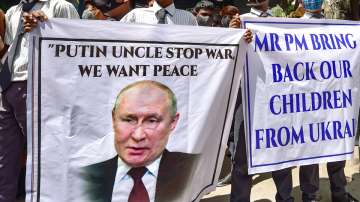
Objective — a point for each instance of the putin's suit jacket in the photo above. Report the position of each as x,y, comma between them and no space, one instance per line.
174,173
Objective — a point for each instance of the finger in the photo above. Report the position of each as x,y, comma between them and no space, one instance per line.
234,25
236,16
45,17
27,28
40,15
27,24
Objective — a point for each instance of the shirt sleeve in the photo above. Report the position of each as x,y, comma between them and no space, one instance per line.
129,17
8,39
66,10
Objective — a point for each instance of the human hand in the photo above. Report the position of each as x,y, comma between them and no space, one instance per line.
235,21
248,36
31,19
96,13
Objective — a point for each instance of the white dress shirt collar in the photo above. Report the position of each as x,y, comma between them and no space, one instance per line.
170,8
124,183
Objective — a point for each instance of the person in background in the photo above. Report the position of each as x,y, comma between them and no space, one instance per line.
105,9
13,93
337,9
162,12
215,20
299,12
204,11
230,14
313,9
227,13
74,2
309,174
259,8
241,181
150,3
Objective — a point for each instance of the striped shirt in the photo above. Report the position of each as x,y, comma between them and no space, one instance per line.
148,16
53,9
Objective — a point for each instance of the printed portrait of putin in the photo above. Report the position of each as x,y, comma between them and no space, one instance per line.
143,117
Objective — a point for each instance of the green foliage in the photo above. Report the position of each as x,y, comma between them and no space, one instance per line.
277,11
284,10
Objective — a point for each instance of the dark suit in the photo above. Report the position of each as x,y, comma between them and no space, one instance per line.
174,173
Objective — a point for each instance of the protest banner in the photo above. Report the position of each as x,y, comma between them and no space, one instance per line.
105,93
301,90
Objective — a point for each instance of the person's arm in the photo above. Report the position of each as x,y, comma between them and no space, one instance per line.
120,10
31,19
236,23
130,17
2,24
3,47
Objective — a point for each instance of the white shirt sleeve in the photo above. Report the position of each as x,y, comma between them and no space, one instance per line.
66,10
129,17
9,35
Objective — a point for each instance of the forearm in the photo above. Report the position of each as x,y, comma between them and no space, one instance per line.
120,10
3,48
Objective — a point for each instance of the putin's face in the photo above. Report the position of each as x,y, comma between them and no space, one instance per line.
142,123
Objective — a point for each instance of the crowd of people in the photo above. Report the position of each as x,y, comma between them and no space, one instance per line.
24,16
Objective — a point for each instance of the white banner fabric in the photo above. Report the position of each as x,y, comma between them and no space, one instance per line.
301,86
76,120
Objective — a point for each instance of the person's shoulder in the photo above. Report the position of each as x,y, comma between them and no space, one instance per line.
13,9
98,179
61,3
98,170
188,18
63,9
140,10
107,163
175,172
184,13
248,15
180,156
130,17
